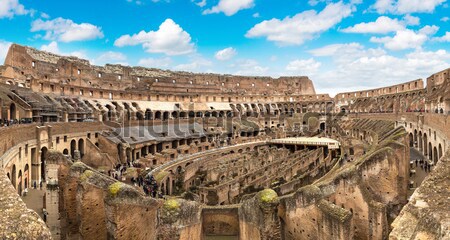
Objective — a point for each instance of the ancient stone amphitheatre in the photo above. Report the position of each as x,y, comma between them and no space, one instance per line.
307,125
120,152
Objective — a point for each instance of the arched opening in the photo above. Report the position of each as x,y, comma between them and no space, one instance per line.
440,151
420,142
13,176
65,151
19,183
425,144
26,174
411,140
435,155
322,127
148,114
430,151
81,147
73,147
166,116
174,114
139,116
43,158
158,115
12,111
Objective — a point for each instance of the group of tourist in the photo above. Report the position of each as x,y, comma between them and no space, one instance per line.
118,171
6,122
425,165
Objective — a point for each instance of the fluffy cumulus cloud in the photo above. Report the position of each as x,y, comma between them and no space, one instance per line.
356,67
249,67
303,67
301,27
169,39
226,54
197,64
230,7
406,6
65,30
111,57
54,48
445,38
9,8
381,25
155,62
406,39
4,47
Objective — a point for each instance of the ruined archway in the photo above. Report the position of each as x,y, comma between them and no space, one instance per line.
12,111
13,176
44,151
73,147
81,147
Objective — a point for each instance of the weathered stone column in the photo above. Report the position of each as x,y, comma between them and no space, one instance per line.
259,217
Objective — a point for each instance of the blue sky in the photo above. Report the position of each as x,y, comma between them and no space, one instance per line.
341,45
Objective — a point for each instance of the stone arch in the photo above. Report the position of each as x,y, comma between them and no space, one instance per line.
140,116
165,116
19,183
44,151
430,151
411,140
81,146
26,174
14,175
435,155
158,115
148,114
420,141
12,111
425,144
73,147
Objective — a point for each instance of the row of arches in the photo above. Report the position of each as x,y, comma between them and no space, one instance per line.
420,140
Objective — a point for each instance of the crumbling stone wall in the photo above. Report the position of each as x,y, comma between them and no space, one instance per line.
16,220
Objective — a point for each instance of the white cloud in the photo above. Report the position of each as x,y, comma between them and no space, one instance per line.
411,20
381,25
445,38
197,64
249,67
9,8
4,47
356,67
230,7
256,15
54,48
65,30
201,3
445,19
169,39
405,39
51,47
112,58
303,67
155,62
226,54
406,6
301,27
45,15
